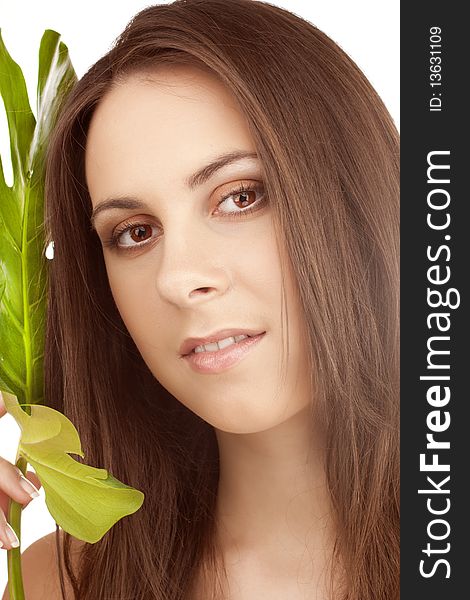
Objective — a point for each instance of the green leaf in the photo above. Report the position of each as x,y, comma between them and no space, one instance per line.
85,501
22,237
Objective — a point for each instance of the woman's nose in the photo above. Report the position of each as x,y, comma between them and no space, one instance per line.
192,269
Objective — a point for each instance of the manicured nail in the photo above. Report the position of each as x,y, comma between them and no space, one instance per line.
28,487
11,535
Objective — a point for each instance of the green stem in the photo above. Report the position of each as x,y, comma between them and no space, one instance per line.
15,577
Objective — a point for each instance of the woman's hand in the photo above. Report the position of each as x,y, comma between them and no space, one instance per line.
13,485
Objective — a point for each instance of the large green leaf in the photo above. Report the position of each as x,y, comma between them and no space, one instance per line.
22,235
85,501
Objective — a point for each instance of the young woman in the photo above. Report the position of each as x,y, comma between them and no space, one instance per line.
223,324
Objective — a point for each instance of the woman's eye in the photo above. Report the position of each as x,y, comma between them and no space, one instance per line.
138,233
130,236
133,235
242,200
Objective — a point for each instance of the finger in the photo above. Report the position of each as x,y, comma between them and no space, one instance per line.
34,479
14,485
3,410
8,537
4,499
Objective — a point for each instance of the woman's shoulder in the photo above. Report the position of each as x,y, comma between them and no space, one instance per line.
40,570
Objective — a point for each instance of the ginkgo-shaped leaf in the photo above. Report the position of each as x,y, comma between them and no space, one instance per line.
85,501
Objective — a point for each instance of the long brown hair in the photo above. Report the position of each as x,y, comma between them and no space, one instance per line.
329,151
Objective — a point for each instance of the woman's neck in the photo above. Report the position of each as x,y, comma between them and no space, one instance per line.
273,504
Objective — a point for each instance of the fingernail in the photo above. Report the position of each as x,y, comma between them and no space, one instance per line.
11,535
1,544
28,487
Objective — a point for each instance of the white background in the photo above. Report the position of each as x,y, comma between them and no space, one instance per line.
366,29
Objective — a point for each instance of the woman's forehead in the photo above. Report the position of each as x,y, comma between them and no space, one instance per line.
143,129
177,78
185,98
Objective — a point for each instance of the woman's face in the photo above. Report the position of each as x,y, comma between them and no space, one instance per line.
190,259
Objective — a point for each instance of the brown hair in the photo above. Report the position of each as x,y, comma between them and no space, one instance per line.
329,151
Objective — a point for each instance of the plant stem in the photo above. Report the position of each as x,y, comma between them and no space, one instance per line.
15,577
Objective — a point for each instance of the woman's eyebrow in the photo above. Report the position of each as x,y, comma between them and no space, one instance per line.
196,179
203,174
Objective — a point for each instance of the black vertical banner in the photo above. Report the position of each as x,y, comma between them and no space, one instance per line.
435,270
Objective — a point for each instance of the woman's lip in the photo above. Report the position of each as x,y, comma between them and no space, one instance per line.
220,360
190,343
